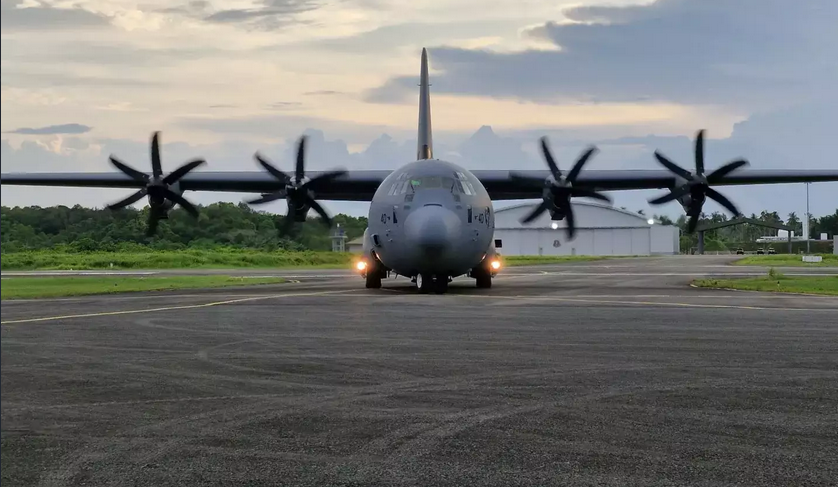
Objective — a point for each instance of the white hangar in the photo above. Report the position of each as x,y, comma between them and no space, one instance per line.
600,230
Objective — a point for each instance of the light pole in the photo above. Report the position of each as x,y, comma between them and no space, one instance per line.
808,232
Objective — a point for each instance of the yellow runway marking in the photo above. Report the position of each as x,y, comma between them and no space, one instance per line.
172,308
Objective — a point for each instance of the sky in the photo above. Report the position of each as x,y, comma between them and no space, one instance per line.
84,79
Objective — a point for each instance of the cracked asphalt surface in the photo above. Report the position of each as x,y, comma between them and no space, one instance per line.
600,373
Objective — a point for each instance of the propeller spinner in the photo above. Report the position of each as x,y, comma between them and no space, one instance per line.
697,186
299,191
558,189
161,196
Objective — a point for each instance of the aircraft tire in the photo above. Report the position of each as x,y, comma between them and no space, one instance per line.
484,279
424,283
373,280
441,284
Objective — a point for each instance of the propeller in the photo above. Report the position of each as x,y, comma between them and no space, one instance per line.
299,191
161,196
697,186
559,189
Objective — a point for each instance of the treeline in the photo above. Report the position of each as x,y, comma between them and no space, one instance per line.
80,229
745,235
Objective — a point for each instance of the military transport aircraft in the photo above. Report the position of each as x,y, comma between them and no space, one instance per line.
429,220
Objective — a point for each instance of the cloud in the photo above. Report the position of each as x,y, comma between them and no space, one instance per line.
49,78
67,128
284,105
391,37
13,18
782,139
689,52
323,93
270,15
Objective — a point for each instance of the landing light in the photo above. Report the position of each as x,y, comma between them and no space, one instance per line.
554,225
650,221
495,264
360,265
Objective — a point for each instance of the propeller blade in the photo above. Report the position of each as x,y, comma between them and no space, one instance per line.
288,221
672,166
271,169
699,152
720,173
175,175
268,198
577,168
152,224
319,209
674,195
588,193
129,200
544,206
130,171
720,198
571,222
326,177
156,167
551,163
693,223
526,180
300,169
186,205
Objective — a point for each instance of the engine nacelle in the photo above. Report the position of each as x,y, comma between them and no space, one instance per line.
301,210
160,206
557,214
692,202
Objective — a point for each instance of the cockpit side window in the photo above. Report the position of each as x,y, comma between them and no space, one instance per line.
466,184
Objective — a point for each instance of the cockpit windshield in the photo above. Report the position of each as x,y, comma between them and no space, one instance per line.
458,183
411,184
432,182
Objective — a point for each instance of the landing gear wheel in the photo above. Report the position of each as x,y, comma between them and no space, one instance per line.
483,278
374,274
424,283
441,284
373,280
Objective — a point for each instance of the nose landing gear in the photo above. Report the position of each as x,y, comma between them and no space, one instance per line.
427,283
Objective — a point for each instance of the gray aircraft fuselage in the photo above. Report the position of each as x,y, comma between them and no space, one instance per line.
430,217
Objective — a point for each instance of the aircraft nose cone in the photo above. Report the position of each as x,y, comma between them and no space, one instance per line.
433,228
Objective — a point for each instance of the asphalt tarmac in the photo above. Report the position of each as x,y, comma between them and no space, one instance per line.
603,373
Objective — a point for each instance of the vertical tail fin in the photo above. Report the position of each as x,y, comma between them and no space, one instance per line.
426,144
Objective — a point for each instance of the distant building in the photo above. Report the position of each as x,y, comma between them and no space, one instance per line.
356,245
600,230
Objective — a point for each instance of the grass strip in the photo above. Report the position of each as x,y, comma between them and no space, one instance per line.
51,287
827,285
217,259
787,260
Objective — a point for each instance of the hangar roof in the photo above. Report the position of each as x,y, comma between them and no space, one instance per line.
588,215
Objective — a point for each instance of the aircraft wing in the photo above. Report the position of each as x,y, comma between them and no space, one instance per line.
501,187
353,186
362,185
